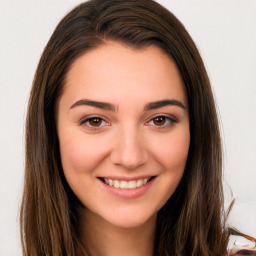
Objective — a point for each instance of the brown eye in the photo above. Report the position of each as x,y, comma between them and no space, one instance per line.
162,122
95,121
159,121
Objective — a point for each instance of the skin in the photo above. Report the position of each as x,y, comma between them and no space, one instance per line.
126,141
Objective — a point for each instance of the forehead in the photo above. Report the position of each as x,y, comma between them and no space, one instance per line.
115,71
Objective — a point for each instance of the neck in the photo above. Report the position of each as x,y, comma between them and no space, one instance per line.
104,239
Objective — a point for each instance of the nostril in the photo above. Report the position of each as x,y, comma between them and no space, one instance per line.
129,160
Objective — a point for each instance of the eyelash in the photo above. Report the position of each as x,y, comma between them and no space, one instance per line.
88,119
168,121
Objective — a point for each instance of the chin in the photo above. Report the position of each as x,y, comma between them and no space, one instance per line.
130,220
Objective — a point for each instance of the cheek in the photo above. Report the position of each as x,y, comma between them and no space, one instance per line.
172,151
176,154
80,153
171,154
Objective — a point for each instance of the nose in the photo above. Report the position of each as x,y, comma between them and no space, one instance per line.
128,150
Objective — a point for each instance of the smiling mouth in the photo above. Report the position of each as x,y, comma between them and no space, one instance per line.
123,184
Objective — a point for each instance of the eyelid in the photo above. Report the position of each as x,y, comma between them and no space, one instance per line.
85,119
171,119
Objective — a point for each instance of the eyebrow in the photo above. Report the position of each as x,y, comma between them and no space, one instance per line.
111,107
163,103
97,104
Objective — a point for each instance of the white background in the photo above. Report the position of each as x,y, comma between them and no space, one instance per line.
225,33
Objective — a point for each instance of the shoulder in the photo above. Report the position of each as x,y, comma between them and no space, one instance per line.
242,245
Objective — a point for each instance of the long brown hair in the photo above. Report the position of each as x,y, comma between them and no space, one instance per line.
191,222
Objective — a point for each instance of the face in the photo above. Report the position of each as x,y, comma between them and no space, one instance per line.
123,129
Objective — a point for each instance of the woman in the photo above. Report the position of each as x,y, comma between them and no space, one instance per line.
123,151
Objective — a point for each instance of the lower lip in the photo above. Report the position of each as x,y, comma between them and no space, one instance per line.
128,193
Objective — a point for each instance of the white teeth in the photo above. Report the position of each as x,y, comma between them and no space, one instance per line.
126,184
110,182
123,184
139,183
132,184
116,183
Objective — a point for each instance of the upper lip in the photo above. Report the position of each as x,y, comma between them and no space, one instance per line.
127,178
